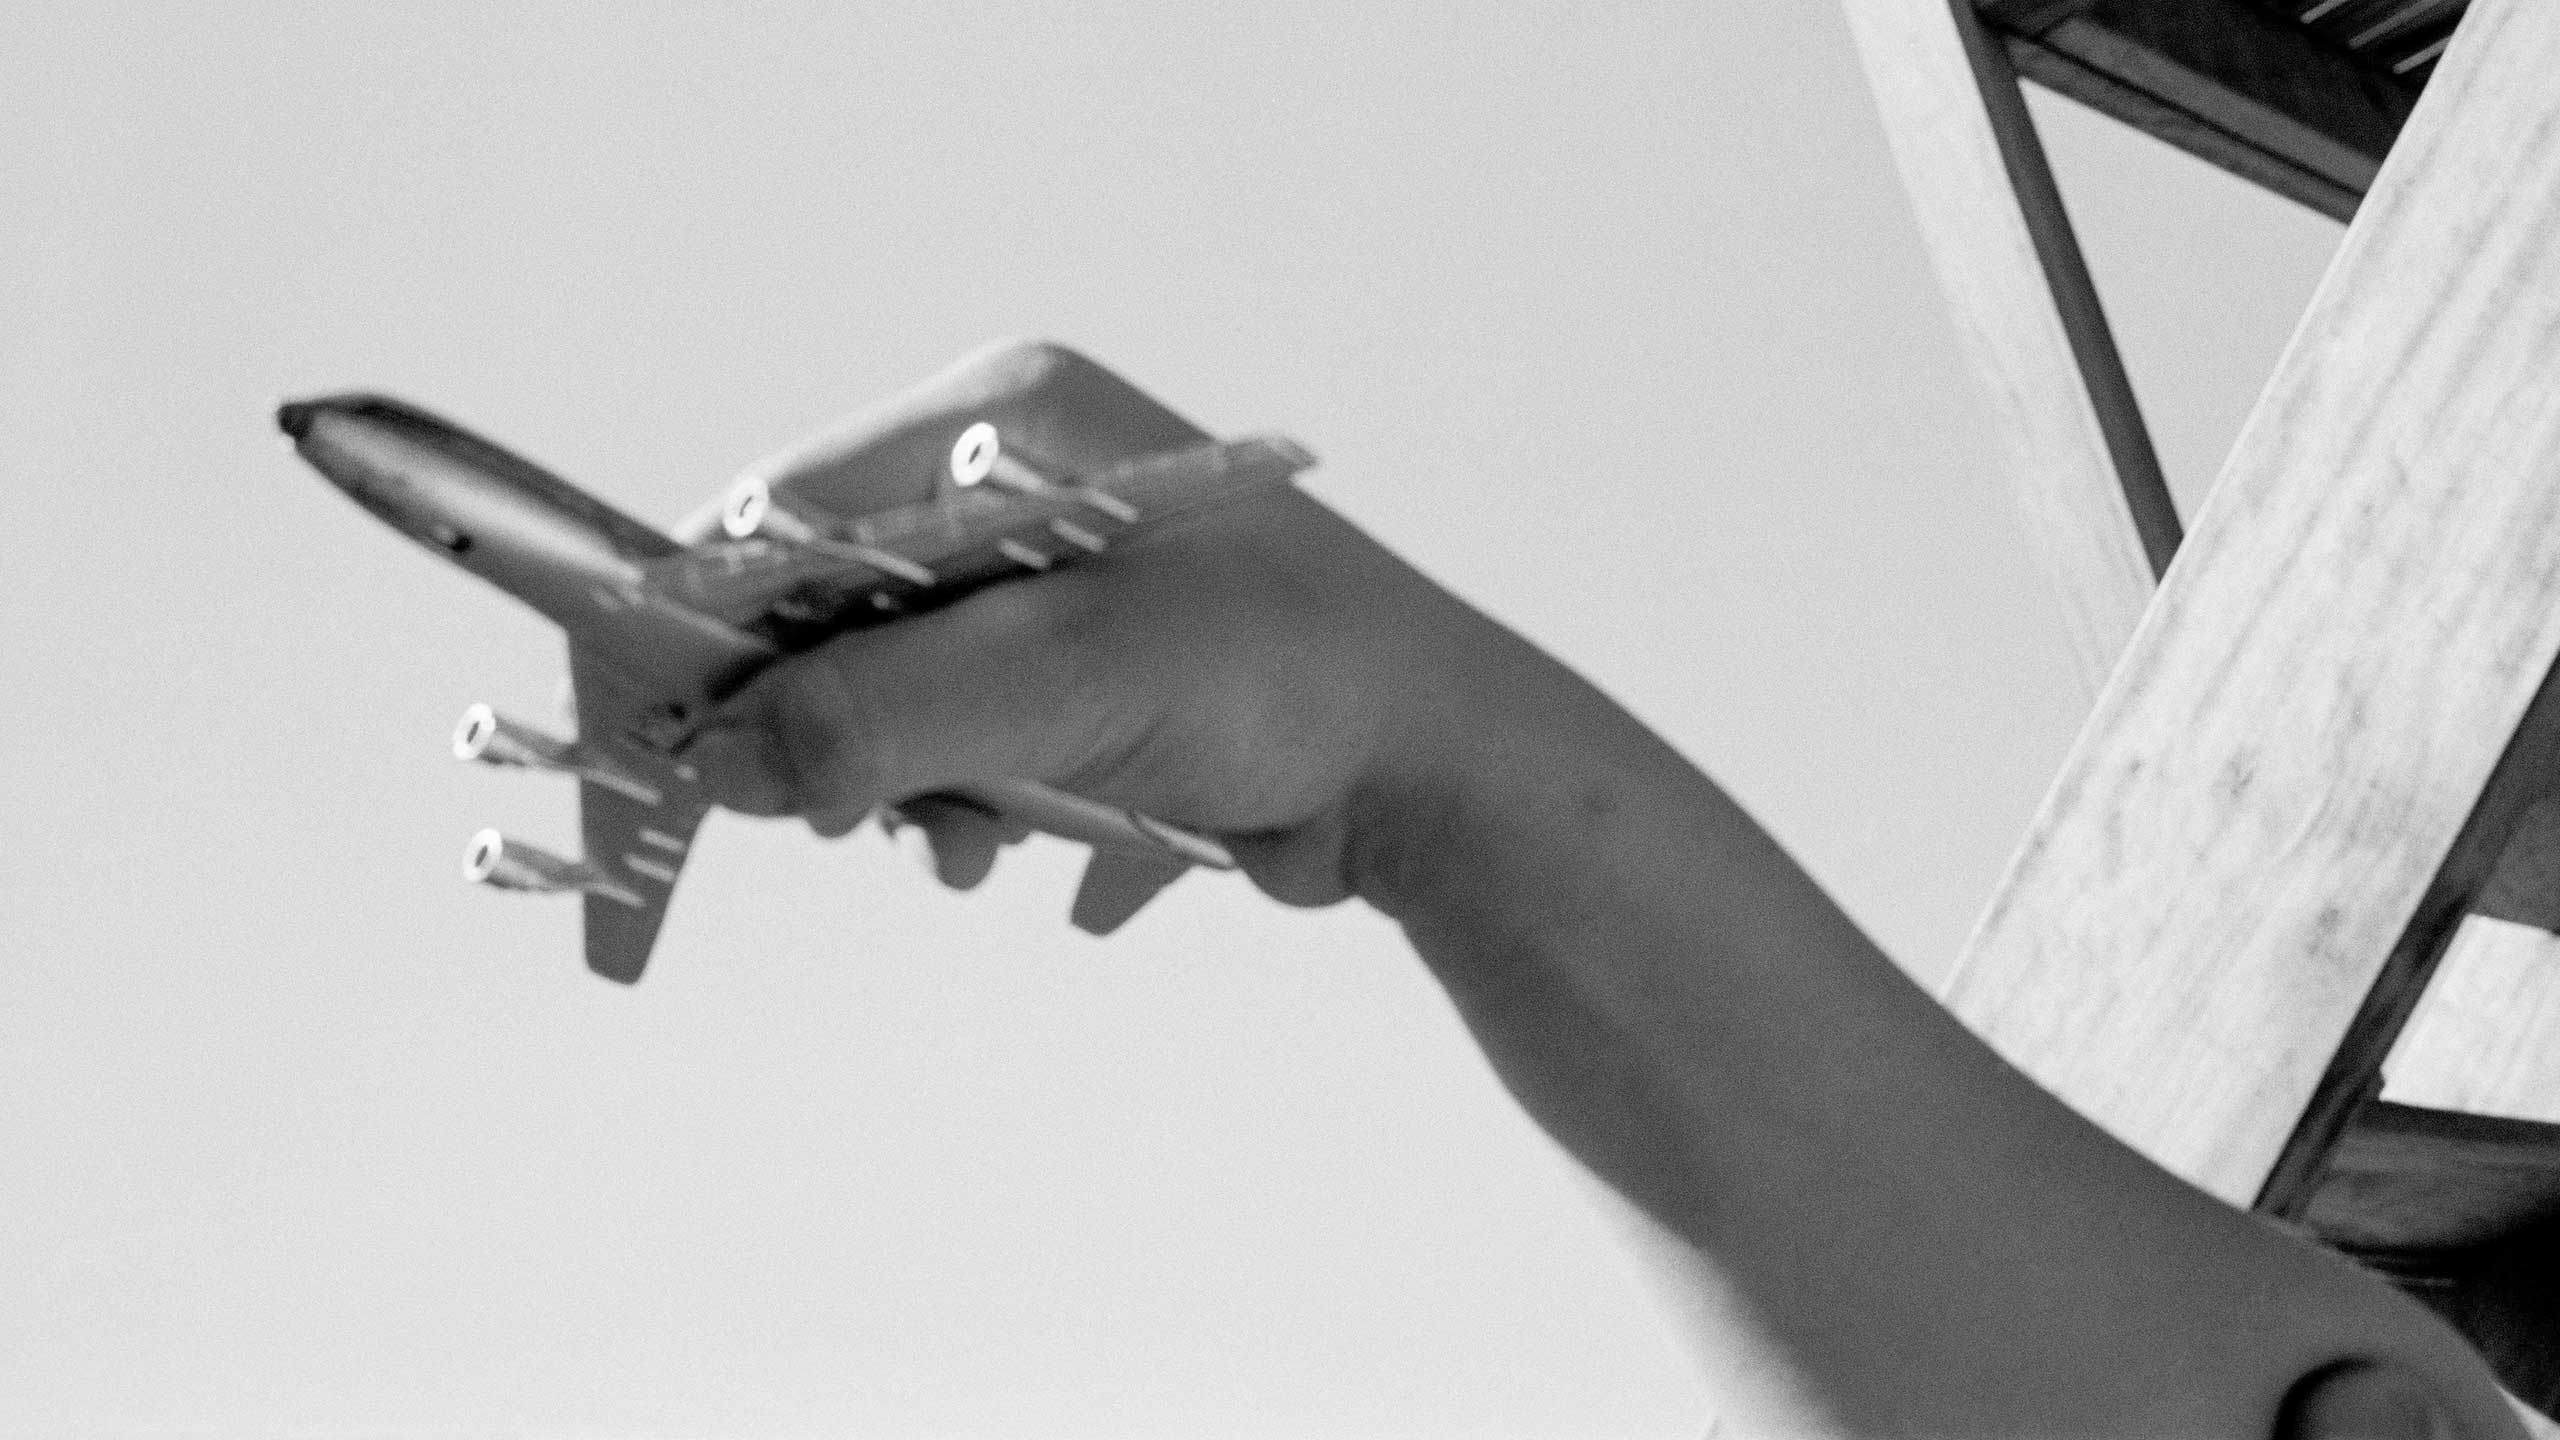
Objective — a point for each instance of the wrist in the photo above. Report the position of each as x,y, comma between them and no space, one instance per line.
1513,798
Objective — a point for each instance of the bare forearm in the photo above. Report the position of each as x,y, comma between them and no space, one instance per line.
1888,1221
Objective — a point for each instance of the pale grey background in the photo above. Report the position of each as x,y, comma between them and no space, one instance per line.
1615,322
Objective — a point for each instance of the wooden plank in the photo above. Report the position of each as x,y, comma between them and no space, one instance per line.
2488,1036
2270,787
2080,468
2228,82
2409,1179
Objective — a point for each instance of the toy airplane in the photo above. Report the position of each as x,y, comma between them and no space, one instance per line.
659,632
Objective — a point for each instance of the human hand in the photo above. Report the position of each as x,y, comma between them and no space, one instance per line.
1250,671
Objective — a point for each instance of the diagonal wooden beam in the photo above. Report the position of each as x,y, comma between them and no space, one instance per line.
2081,472
2488,1038
2260,813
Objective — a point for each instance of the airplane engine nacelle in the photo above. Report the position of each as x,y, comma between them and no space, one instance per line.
751,510
493,739
493,859
742,513
979,456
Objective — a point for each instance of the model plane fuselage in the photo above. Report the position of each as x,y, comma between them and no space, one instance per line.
537,537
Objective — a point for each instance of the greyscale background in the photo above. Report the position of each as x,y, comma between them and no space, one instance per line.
1613,321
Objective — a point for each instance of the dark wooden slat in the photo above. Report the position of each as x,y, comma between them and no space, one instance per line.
2525,887
2403,1179
2269,168
2142,489
2079,463
2237,86
2029,17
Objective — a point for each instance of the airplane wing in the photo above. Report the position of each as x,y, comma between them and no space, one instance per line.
636,832
849,572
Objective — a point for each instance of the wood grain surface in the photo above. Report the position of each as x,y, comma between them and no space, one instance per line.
2333,667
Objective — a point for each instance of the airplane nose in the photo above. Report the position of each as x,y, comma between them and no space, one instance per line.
294,417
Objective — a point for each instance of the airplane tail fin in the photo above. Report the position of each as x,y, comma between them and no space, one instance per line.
642,848
619,937
637,836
